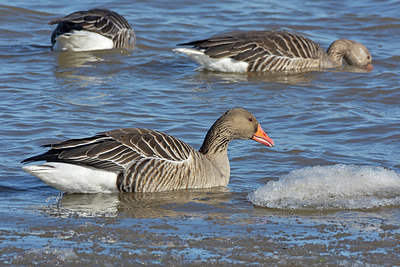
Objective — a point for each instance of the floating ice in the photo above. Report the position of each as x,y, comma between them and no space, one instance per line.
331,187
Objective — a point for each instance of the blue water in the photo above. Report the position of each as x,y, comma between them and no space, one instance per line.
317,120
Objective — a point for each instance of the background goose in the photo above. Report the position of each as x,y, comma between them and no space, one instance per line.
94,29
273,51
142,160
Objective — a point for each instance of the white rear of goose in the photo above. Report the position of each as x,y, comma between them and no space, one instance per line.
95,29
225,64
73,178
142,160
266,51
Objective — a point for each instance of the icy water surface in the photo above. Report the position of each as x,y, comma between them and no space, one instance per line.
326,194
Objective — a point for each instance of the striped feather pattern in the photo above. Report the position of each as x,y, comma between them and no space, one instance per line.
143,160
137,153
101,21
265,50
277,51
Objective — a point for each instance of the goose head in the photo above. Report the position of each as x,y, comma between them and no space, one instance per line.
352,52
236,123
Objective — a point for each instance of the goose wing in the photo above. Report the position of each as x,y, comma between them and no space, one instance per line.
118,150
263,50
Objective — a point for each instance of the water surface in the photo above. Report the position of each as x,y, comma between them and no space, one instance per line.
321,122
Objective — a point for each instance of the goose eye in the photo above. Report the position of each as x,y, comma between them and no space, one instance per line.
251,119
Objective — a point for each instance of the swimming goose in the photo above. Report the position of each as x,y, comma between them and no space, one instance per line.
273,51
95,29
142,160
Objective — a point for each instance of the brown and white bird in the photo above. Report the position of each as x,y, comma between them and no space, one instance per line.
264,51
142,160
95,29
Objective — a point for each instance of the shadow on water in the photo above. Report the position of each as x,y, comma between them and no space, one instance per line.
90,69
84,59
188,203
281,77
284,77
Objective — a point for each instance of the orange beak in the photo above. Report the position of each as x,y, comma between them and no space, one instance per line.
262,137
370,67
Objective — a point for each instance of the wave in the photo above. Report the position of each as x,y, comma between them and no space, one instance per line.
331,187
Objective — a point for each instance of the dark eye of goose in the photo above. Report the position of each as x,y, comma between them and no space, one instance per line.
251,119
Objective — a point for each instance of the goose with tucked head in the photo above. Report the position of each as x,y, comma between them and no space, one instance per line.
95,29
268,51
142,160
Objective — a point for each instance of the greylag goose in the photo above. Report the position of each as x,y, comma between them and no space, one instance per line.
265,51
142,160
95,29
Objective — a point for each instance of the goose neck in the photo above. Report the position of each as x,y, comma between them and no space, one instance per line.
216,141
338,50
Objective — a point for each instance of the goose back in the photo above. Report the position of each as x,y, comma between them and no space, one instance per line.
265,50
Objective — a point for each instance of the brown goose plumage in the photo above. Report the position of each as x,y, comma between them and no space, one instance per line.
149,161
104,22
274,51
